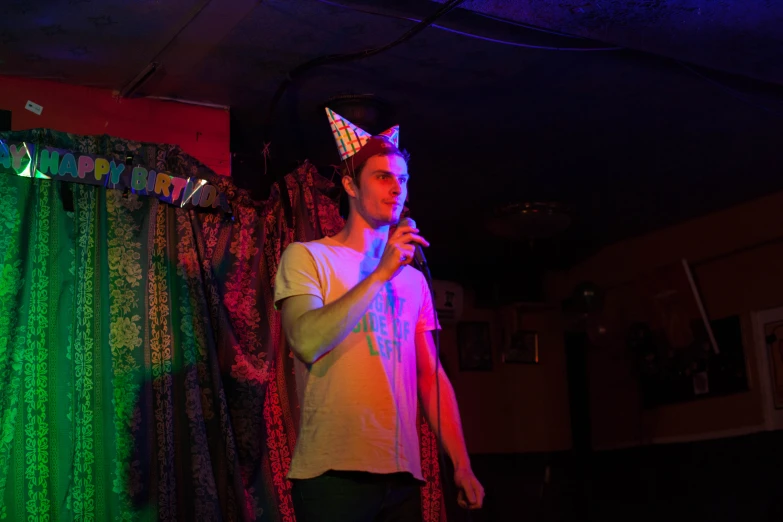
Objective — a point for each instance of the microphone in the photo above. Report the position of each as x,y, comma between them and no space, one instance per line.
418,255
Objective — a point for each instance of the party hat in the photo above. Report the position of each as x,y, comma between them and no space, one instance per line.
393,135
351,139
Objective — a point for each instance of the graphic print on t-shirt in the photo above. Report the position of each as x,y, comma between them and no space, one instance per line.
384,326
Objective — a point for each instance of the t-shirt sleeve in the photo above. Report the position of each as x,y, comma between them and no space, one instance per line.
297,274
427,319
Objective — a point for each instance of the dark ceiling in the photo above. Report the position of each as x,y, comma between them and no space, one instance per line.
632,114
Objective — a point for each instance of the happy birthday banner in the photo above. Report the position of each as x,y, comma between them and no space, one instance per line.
27,160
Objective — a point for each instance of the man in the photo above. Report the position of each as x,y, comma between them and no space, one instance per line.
359,320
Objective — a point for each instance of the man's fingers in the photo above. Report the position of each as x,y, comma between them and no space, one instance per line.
407,252
407,234
415,238
420,240
468,499
478,491
400,231
471,492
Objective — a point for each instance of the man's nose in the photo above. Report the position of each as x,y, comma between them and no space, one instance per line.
396,187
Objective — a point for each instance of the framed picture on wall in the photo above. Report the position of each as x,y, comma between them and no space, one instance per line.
681,353
521,348
475,346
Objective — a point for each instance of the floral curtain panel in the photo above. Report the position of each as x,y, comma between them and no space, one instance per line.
143,372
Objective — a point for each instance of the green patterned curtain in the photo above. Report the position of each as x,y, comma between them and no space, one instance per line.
142,367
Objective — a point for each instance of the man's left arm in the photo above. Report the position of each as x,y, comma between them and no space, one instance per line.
471,493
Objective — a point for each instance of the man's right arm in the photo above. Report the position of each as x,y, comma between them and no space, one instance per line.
313,329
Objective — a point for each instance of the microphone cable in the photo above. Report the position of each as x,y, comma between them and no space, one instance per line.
425,270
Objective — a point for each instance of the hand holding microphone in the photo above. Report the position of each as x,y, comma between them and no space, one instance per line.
403,246
418,253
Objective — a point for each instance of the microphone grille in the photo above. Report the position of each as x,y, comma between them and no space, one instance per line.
407,222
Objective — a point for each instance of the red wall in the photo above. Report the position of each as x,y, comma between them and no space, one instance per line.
202,132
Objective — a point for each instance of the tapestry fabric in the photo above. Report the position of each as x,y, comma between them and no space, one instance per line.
144,375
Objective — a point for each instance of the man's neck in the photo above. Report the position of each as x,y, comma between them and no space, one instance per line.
362,237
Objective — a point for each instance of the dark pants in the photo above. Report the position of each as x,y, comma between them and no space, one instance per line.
354,496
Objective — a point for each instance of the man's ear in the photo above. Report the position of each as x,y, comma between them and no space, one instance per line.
349,186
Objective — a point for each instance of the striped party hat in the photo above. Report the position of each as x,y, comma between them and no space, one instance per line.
350,138
393,135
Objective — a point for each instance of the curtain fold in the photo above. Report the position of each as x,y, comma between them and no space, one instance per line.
144,375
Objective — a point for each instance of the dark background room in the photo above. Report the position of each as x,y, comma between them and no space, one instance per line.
601,184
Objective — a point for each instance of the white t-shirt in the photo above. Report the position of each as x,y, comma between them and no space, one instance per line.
359,401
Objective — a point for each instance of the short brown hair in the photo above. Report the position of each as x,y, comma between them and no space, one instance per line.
355,171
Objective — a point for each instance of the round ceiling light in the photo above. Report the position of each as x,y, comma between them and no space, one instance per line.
529,220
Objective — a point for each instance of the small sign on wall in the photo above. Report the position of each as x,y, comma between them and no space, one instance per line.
449,301
33,107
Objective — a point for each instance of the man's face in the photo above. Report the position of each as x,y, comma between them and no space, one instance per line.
383,188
